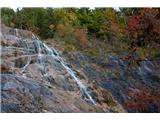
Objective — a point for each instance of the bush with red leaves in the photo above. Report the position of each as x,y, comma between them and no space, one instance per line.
147,100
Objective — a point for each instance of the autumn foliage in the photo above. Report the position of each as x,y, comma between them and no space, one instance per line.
81,37
140,101
136,27
143,30
144,24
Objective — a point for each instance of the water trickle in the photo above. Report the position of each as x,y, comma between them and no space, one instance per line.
54,54
35,47
25,45
56,57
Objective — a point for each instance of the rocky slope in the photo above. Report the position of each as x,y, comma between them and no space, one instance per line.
136,88
35,78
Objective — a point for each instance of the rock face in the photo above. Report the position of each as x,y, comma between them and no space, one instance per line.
136,87
35,78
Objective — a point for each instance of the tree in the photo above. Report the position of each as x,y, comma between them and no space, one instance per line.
143,31
8,15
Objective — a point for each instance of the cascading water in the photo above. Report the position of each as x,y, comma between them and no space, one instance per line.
43,50
41,58
25,44
39,74
83,88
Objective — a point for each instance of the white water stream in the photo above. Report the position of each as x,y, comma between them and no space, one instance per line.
40,47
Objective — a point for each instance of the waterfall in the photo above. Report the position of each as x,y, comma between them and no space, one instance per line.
28,50
35,46
82,87
29,57
55,56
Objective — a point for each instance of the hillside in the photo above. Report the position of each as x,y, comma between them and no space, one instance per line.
38,78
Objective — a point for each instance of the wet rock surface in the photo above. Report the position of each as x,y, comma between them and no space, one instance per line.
35,78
